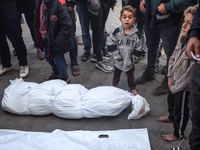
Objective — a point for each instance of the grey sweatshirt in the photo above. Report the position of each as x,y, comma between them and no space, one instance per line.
125,46
180,70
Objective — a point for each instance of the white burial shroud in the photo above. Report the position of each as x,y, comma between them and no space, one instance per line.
70,100
128,139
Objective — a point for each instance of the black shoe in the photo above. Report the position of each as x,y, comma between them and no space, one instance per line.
163,89
93,58
145,77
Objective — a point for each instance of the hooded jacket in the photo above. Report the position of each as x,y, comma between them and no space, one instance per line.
121,45
59,27
174,9
180,69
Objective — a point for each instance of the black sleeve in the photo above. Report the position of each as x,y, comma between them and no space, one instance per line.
195,27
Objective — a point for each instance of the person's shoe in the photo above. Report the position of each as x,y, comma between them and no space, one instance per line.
106,59
4,70
145,77
93,58
79,41
24,70
104,67
163,89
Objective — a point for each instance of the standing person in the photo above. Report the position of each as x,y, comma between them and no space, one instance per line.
28,8
163,21
10,26
53,30
179,74
82,10
74,51
99,11
194,103
140,25
125,41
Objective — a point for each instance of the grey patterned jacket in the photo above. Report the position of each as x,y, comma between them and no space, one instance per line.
125,46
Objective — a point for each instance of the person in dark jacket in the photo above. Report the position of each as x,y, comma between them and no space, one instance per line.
28,8
163,21
10,27
193,46
53,29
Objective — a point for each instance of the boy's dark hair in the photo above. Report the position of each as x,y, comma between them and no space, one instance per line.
129,9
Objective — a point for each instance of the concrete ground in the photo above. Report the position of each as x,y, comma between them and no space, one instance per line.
91,77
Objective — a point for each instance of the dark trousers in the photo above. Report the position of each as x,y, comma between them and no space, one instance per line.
30,22
178,111
130,76
73,52
10,26
98,24
169,36
194,105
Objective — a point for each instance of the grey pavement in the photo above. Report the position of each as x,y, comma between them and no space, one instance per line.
91,77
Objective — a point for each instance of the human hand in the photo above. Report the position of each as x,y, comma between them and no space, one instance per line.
69,7
142,8
169,82
193,46
161,8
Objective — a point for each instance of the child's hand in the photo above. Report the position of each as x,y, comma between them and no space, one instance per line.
169,82
119,59
142,8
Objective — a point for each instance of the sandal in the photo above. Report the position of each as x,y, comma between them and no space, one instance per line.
85,56
40,55
53,76
75,70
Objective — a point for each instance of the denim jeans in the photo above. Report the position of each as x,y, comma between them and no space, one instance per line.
82,10
104,39
58,64
73,52
169,36
10,26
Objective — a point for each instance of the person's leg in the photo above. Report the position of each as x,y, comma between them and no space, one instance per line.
96,23
153,38
131,80
194,105
55,74
61,65
74,52
12,30
4,49
170,102
30,22
169,36
116,76
181,113
84,19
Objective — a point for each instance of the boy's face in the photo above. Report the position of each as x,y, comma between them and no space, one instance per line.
127,19
186,24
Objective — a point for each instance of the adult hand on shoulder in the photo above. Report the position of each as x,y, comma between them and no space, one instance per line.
142,8
193,46
161,8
